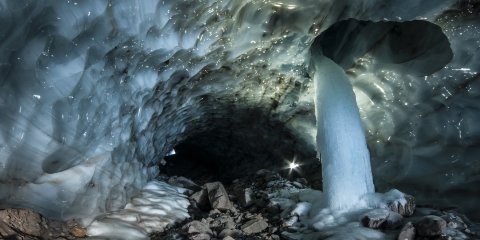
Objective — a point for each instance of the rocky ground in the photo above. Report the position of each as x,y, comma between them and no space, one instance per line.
24,224
257,207
253,208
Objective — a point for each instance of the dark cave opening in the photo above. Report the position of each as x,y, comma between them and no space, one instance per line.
240,145
211,156
192,161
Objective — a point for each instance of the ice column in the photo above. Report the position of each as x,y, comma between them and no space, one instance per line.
341,141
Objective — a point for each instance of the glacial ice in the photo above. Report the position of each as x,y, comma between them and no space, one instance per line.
93,94
417,47
341,142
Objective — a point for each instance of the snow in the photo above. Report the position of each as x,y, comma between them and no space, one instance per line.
157,206
301,209
305,213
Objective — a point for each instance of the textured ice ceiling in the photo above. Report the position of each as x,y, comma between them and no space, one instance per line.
93,94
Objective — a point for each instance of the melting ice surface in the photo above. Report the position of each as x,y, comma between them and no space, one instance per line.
94,93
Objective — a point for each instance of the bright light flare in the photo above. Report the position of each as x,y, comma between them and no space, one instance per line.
293,165
171,153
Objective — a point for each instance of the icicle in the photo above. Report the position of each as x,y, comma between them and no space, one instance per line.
341,141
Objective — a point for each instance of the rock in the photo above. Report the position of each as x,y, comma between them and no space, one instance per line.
394,220
218,196
275,237
196,227
272,209
6,231
183,182
78,232
230,232
263,172
228,238
431,226
454,221
254,226
214,212
302,181
73,227
201,199
23,221
290,222
264,175
246,197
407,232
222,222
200,236
405,208
376,219
381,219
297,184
249,216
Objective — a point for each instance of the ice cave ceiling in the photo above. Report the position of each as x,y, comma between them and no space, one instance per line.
93,94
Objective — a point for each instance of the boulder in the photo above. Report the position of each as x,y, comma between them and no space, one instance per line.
246,197
222,222
73,227
274,237
197,227
201,199
394,220
381,219
218,196
183,182
404,208
200,236
25,221
254,226
230,233
78,232
376,219
407,232
431,226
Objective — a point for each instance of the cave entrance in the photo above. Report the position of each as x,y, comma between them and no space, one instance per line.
239,146
194,162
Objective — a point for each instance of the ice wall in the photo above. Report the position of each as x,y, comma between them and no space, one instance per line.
398,103
94,93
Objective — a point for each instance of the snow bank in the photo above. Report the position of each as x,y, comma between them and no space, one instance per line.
157,206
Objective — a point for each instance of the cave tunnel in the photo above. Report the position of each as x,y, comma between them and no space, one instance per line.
95,95
240,143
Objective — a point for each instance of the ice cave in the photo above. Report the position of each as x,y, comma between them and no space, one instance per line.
240,119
